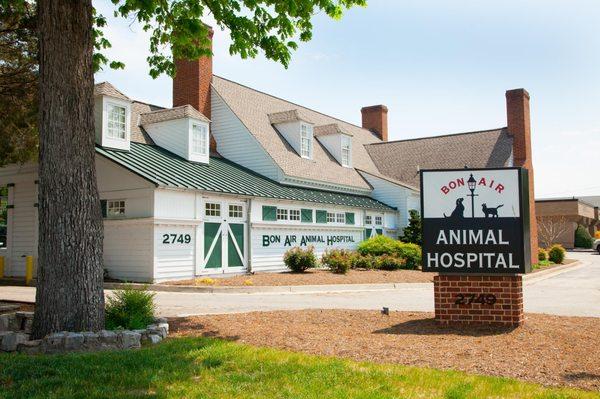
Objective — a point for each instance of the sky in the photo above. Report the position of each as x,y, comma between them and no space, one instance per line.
440,67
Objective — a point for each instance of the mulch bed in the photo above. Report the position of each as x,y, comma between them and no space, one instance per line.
317,277
551,350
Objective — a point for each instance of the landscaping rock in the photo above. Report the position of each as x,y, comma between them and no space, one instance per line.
165,326
11,340
24,320
8,322
158,330
108,337
54,343
129,339
154,339
33,347
91,341
160,320
73,341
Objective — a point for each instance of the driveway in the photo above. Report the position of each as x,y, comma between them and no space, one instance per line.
572,292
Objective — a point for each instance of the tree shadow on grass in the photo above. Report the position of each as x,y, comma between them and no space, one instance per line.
429,326
148,372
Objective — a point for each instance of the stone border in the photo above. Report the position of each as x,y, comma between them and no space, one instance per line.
16,337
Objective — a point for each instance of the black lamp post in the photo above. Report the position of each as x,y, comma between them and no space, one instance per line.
472,183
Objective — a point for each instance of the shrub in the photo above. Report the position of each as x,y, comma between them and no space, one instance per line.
556,253
337,260
130,309
390,262
379,245
583,238
362,261
413,232
299,260
542,254
411,253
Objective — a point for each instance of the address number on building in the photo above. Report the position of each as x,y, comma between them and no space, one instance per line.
467,299
176,238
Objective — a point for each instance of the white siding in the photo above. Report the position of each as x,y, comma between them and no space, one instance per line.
171,135
115,182
236,143
128,251
174,261
174,204
333,144
291,133
22,229
393,195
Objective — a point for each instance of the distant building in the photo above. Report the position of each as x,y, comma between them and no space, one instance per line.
563,215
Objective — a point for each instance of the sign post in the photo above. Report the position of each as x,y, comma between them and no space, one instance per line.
479,248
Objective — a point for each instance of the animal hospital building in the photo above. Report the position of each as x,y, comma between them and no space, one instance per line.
230,177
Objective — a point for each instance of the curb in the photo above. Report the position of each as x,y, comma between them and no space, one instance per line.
273,289
544,274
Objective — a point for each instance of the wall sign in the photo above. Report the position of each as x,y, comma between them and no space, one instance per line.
475,221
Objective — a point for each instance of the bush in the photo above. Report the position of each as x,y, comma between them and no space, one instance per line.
390,262
130,309
379,245
556,253
337,260
411,253
542,254
413,232
299,260
362,261
583,238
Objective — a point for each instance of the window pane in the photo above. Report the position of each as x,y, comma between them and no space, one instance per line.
294,214
116,122
199,139
378,220
282,214
116,208
368,219
236,211
330,217
212,209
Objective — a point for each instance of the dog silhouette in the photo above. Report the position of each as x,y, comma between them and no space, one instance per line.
458,212
491,212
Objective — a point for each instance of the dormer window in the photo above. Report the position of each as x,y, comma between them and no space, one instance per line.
199,139
306,138
117,126
346,150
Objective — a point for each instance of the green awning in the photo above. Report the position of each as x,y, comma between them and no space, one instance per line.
166,169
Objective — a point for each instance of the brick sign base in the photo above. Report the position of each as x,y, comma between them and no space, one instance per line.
458,300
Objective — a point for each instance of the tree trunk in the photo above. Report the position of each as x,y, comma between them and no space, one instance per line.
69,280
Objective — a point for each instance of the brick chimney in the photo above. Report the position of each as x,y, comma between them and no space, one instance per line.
519,128
191,85
374,118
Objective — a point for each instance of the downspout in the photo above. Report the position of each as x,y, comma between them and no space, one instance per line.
249,235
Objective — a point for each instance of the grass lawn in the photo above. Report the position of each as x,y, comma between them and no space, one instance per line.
211,368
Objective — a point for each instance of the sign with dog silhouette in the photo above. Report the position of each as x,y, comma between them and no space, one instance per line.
475,221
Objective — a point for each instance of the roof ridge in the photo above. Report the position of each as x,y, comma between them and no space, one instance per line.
293,103
441,135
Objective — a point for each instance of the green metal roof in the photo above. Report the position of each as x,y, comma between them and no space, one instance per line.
164,168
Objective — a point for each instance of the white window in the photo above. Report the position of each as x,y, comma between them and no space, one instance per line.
368,219
294,214
378,220
306,138
199,139
116,122
236,211
115,208
212,209
340,217
346,150
282,214
330,217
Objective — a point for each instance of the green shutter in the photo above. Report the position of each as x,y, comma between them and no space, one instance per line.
233,256
103,207
307,216
379,231
269,213
349,217
321,216
368,233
